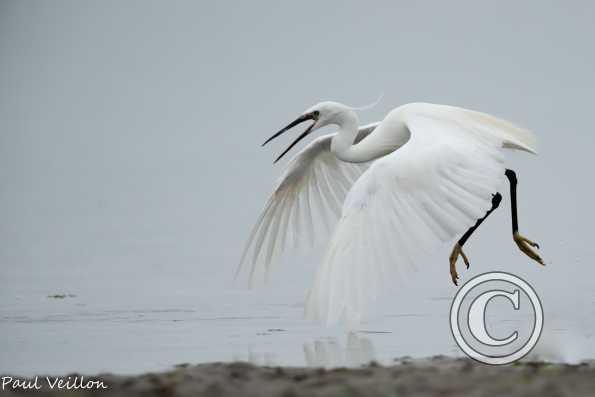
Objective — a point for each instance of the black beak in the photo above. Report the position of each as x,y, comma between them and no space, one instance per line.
299,120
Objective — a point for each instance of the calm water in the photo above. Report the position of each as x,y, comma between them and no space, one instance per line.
149,321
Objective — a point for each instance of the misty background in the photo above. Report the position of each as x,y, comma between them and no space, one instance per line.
131,169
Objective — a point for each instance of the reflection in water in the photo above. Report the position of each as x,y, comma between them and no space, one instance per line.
257,358
329,353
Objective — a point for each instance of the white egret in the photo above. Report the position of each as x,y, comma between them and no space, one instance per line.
390,192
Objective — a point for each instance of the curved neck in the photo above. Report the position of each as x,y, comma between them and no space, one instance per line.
342,144
348,123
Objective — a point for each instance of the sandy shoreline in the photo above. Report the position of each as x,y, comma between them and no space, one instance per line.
420,377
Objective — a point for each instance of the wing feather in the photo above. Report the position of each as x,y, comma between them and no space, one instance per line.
313,186
405,205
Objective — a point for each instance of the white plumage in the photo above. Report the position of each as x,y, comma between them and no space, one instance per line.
314,184
398,188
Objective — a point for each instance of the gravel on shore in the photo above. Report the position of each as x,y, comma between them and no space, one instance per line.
437,376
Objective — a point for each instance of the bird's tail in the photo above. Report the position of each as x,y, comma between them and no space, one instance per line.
514,137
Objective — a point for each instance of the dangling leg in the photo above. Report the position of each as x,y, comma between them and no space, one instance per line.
522,242
458,247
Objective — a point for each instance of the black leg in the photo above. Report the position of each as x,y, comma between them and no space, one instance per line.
522,242
458,248
496,199
511,175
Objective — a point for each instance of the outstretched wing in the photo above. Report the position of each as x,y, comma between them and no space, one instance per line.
406,204
313,186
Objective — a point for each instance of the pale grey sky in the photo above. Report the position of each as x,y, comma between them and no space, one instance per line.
130,131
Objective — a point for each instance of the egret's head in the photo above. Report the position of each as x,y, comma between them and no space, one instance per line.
321,114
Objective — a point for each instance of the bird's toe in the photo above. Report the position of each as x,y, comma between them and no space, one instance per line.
525,245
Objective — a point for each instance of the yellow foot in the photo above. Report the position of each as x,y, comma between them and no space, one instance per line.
454,255
525,245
